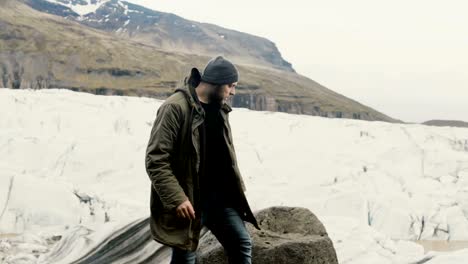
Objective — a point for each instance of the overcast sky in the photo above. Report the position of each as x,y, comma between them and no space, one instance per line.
405,58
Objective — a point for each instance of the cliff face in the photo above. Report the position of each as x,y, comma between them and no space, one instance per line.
264,102
39,50
20,70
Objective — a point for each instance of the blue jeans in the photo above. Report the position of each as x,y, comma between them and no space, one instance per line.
227,226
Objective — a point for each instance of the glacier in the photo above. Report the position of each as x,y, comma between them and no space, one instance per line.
72,175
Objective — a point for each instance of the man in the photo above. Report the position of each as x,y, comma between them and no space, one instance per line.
192,165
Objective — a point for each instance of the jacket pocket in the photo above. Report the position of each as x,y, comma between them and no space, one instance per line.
171,221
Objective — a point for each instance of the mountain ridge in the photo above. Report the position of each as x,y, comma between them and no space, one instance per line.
444,122
60,53
168,31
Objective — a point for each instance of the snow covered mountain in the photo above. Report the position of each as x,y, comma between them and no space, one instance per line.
166,30
72,173
79,7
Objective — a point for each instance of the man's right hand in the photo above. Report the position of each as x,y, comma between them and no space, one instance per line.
185,210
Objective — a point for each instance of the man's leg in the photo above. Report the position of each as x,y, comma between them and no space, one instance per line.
230,230
180,256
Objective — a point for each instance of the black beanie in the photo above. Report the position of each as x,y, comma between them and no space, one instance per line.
220,71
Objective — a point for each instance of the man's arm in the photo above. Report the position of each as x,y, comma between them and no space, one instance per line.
158,156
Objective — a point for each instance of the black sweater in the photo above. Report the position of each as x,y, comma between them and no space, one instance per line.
216,181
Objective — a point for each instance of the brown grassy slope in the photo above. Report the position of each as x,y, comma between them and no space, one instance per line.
39,50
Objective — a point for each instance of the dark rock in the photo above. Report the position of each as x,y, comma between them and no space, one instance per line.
289,235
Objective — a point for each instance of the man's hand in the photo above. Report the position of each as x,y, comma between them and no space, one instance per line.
185,210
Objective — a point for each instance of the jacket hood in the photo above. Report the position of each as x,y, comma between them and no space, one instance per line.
188,89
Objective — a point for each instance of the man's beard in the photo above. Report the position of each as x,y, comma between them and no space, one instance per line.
214,97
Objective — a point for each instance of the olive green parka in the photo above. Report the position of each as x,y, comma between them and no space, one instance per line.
172,164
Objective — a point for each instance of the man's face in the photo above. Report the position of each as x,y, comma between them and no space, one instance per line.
224,92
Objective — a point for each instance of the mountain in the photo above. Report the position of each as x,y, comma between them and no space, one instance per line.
41,50
166,30
438,122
